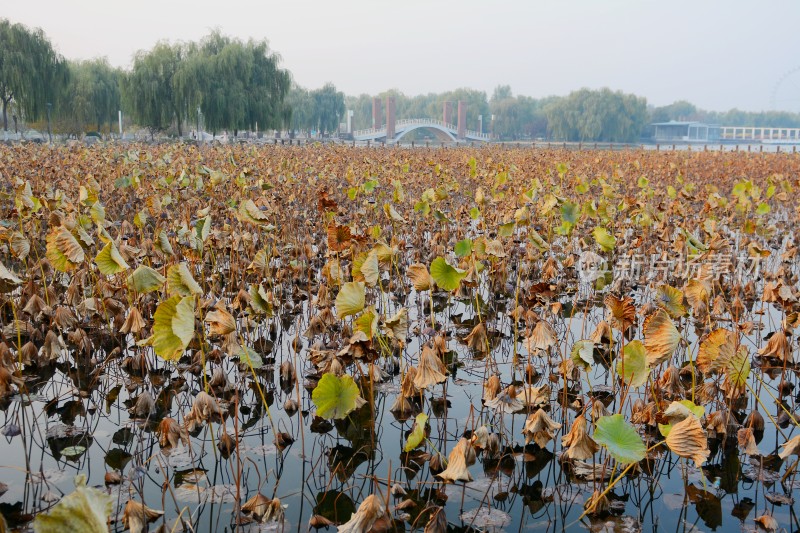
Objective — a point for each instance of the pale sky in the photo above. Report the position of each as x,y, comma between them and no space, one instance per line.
716,54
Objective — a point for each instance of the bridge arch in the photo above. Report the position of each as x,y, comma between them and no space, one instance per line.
438,131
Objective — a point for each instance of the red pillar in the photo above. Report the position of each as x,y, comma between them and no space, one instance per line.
376,113
447,113
390,118
462,119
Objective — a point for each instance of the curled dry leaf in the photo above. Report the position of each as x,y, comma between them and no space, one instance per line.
688,439
371,510
430,371
540,428
458,462
578,442
136,516
263,509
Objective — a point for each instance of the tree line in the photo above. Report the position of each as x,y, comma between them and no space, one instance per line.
225,84
219,83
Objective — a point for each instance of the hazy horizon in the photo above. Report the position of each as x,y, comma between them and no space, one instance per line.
717,55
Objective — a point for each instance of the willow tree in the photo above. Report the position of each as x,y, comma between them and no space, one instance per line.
328,107
93,94
597,115
149,89
241,86
31,72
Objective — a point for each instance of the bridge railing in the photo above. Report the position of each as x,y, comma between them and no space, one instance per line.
400,125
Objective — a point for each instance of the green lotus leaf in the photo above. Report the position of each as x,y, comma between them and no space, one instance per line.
250,357
335,397
180,281
620,438
145,279
604,238
109,261
446,277
367,322
463,248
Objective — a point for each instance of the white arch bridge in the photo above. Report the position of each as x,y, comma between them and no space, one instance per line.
443,131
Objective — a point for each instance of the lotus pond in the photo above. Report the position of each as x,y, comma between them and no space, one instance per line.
226,338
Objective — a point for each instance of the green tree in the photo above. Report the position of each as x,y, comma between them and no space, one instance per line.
31,72
93,95
328,107
301,110
149,89
597,115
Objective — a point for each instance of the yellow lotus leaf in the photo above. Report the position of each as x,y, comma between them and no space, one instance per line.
661,337
63,249
688,439
85,509
173,327
670,300
145,279
715,351
350,299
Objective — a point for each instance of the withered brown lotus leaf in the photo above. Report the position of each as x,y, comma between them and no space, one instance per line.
747,441
371,510
7,379
543,337
536,397
506,401
477,339
419,276
437,523
578,442
491,387
429,370
204,408
339,237
688,439
136,516
457,467
220,321
790,447
263,509
540,428
623,312
777,346
767,521
134,323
